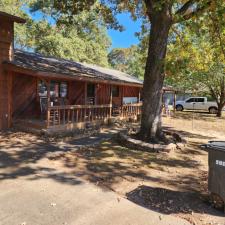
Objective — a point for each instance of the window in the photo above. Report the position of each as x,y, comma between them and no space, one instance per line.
200,100
190,100
57,89
115,91
42,89
63,89
90,90
54,89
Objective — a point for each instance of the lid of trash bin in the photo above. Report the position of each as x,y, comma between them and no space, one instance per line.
216,145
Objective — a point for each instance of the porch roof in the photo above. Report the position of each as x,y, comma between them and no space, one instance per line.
38,64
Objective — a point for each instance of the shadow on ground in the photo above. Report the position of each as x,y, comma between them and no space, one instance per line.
20,154
172,202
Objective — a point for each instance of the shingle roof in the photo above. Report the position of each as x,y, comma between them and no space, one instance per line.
69,68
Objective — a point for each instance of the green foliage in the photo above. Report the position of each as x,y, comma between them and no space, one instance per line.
127,60
84,40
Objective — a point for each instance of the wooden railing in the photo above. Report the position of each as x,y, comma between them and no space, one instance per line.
131,110
62,115
128,110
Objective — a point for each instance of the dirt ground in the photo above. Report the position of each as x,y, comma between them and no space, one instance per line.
174,183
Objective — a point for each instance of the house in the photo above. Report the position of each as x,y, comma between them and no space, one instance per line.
57,94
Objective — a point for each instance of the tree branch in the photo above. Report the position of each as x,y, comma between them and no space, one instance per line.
183,13
185,7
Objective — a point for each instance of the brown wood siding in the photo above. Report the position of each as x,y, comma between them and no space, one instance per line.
6,53
130,91
25,102
76,93
102,94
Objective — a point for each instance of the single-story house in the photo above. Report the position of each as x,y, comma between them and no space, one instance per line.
58,94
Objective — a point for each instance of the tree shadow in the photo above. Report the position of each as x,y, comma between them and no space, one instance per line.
172,202
19,159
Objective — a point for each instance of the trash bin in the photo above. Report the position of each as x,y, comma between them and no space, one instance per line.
216,160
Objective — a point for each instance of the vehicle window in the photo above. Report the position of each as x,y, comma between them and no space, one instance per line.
190,100
200,99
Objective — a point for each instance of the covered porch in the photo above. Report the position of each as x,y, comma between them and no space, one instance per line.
58,105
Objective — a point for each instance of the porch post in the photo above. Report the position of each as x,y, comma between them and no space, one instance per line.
110,112
122,93
85,94
10,77
139,95
174,101
48,102
85,100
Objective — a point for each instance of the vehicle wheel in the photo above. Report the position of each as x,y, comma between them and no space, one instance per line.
213,110
179,108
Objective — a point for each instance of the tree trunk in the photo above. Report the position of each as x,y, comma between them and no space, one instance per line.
220,108
154,75
219,112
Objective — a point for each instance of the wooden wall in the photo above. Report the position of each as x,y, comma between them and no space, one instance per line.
76,93
25,102
130,91
6,53
102,94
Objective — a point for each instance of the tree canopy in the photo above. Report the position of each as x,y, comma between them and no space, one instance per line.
84,40
128,60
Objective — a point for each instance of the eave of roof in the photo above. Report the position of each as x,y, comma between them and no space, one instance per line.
9,17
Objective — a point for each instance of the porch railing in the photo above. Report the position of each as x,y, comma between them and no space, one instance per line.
131,110
61,115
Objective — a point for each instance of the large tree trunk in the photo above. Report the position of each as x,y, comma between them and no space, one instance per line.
154,75
219,112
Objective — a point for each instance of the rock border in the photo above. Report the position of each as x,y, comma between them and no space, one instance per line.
129,142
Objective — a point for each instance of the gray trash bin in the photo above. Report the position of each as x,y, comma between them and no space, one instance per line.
216,160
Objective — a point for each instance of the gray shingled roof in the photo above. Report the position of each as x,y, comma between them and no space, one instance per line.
42,63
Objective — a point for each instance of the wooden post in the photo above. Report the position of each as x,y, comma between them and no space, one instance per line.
48,102
174,101
139,95
110,109
10,77
85,100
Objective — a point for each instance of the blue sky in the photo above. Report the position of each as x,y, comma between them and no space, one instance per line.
126,38
122,39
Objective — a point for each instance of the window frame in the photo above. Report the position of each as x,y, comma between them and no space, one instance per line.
59,83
